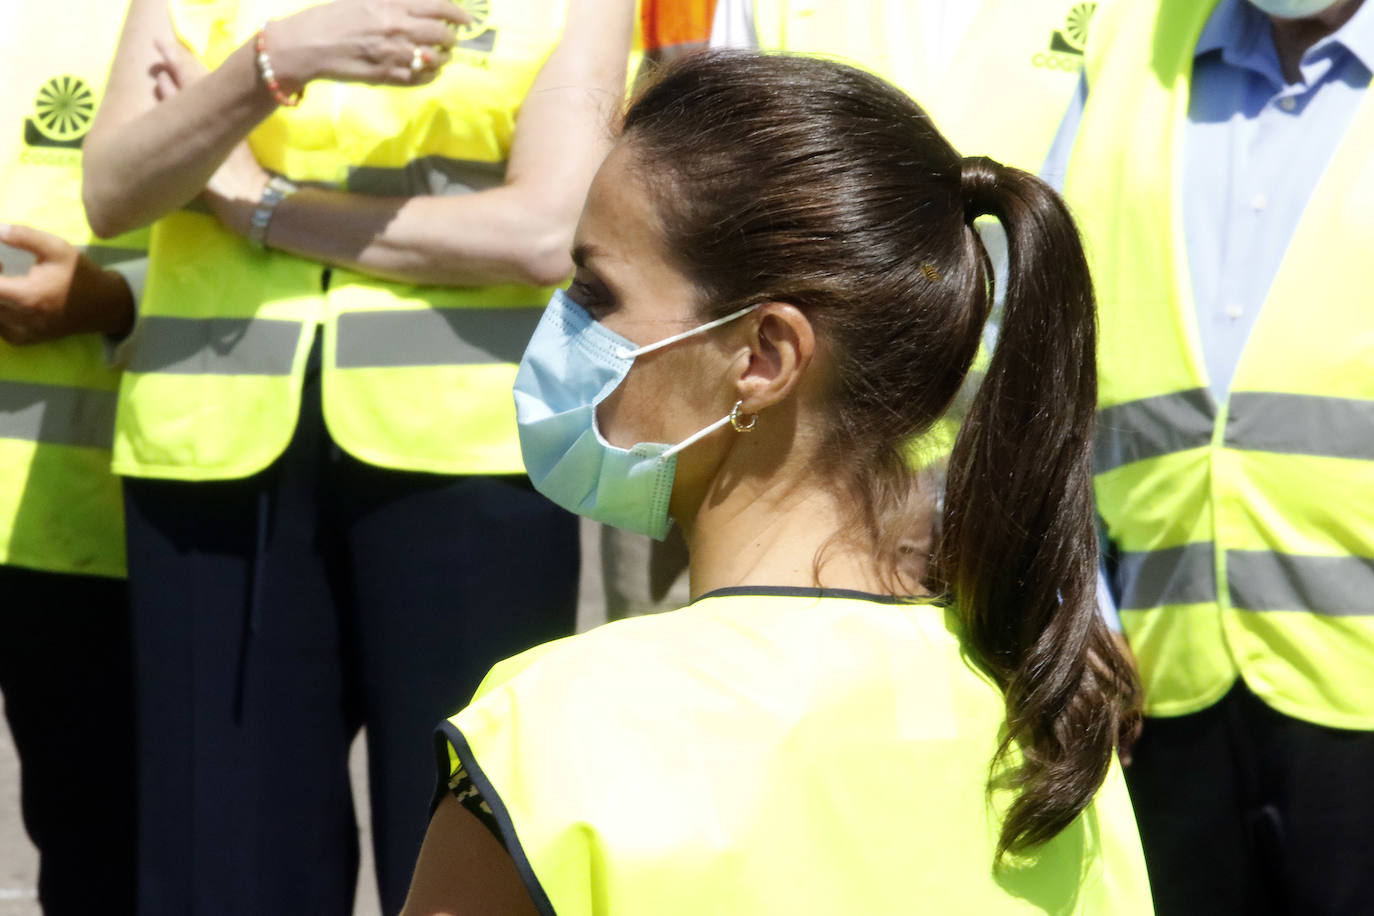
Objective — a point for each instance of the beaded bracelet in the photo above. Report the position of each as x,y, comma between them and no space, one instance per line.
269,77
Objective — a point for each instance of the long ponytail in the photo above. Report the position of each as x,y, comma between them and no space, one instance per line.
1018,548
800,180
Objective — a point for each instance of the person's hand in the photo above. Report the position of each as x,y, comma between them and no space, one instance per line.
63,293
233,192
176,68
365,41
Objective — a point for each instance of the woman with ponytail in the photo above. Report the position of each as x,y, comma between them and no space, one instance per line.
779,290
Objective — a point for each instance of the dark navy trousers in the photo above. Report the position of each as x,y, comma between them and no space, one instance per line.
1245,811
274,617
68,691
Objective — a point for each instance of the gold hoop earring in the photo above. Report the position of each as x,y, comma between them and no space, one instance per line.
735,422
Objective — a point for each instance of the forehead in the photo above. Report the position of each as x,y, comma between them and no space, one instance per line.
620,222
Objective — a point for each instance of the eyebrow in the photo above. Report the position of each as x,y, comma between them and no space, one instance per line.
583,253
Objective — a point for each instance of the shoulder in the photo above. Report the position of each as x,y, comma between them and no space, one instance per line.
711,662
751,621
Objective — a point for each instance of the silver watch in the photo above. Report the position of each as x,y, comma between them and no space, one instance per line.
276,191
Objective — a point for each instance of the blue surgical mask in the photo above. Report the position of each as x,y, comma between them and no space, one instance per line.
1293,9
571,365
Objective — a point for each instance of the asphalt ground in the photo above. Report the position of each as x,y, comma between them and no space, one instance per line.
19,860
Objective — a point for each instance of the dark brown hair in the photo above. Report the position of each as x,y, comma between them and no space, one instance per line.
804,181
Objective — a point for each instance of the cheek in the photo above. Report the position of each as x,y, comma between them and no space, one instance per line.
667,397
635,411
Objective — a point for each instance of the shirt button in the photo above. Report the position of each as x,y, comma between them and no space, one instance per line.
1233,311
1259,202
1288,103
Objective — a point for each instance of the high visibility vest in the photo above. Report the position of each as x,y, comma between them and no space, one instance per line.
60,507
1005,90
767,752
414,377
1246,527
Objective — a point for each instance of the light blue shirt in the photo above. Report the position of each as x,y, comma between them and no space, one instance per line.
1255,147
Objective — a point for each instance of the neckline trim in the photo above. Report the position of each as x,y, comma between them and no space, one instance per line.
797,591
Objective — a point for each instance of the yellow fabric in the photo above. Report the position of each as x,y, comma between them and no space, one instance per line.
1314,336
771,754
439,412
1002,95
60,507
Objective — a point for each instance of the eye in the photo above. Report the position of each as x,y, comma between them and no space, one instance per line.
592,295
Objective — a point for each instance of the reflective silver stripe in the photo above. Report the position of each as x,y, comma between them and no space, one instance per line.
434,337
437,175
56,414
1258,580
1266,581
215,346
1175,575
1299,424
483,41
1151,427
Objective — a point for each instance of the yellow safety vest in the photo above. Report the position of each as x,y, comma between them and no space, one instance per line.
771,751
1005,89
1246,528
414,377
60,507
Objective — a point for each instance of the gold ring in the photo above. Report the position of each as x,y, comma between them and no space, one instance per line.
417,60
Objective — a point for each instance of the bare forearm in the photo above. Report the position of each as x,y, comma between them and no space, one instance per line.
495,236
143,168
145,158
519,232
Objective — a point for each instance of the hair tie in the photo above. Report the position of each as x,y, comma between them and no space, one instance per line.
979,179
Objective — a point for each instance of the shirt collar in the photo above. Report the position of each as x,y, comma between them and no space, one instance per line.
1240,33
1358,35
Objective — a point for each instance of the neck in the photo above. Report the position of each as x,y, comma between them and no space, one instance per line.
1292,37
770,530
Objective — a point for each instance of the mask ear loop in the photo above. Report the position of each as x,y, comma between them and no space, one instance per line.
733,419
695,438
627,353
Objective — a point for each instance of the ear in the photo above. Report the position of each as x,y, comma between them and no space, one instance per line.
781,344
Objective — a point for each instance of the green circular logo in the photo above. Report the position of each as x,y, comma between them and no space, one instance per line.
480,11
64,109
1076,27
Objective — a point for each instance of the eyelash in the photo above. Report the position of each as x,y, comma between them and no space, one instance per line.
591,297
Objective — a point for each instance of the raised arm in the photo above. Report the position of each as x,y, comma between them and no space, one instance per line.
144,159
519,231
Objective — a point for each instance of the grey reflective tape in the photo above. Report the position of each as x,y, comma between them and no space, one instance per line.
56,414
214,346
1151,427
483,42
107,255
437,175
1175,575
1262,580
1300,424
434,337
